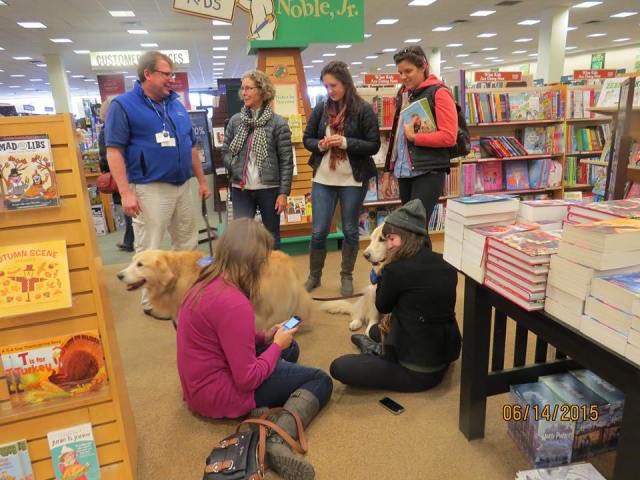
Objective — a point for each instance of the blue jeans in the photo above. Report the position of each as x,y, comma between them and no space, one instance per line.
290,354
289,377
245,203
324,199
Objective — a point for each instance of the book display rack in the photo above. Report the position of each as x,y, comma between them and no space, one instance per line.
106,409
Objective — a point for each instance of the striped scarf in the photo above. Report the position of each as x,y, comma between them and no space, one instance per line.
259,141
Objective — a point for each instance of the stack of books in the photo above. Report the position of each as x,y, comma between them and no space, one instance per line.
474,240
610,308
543,438
518,264
591,212
610,419
589,415
473,211
548,214
588,251
582,471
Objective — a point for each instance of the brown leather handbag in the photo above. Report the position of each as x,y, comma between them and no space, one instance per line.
241,456
105,183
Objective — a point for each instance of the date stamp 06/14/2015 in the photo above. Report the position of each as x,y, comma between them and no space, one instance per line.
550,413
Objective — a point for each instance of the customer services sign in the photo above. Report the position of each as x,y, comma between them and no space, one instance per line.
287,23
124,59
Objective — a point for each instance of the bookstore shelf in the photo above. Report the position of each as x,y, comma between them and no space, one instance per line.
516,122
380,203
524,192
11,415
594,153
521,157
594,162
589,120
579,186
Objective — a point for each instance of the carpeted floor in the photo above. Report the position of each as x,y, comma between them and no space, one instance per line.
353,438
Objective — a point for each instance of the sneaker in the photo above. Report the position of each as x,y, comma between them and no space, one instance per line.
153,314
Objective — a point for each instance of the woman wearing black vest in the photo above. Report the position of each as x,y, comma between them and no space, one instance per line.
422,175
411,349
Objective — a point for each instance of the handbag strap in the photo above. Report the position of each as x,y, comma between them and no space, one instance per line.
300,447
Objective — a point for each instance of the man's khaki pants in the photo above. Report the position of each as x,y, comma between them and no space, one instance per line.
165,208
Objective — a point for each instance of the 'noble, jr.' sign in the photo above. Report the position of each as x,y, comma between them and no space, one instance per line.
288,23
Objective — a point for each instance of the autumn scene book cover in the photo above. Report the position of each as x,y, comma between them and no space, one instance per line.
58,367
34,278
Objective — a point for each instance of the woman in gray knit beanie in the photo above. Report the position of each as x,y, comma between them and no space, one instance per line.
412,347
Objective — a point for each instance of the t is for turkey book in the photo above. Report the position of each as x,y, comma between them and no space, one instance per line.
52,368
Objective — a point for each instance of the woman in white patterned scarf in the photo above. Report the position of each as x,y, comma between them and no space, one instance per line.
258,155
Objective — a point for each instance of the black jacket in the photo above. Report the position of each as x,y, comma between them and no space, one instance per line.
420,294
362,134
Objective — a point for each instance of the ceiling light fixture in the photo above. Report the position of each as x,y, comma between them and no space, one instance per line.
467,63
149,45
32,25
489,49
587,4
482,13
137,32
17,75
41,65
441,29
219,57
328,54
14,86
625,39
220,49
529,22
22,58
218,63
220,23
571,29
412,40
454,45
344,46
462,55
82,52
624,14
61,40
389,50
490,58
317,61
532,55
421,3
308,66
356,63
487,35
594,35
221,37
35,79
522,40
570,48
371,57
518,52
368,35
122,13
387,21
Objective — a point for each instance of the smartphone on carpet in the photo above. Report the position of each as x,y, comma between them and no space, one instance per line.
392,406
292,322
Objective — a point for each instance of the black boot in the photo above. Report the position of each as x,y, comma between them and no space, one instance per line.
316,264
280,457
349,256
366,345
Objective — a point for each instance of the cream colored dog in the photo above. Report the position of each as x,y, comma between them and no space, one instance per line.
363,311
167,275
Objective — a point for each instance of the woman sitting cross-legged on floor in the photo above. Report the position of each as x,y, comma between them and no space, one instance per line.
410,350
226,368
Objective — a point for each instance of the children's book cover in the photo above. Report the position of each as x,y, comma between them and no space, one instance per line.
388,188
56,367
296,210
628,281
34,277
535,140
419,115
73,453
15,463
491,173
535,242
517,175
628,208
473,199
502,230
372,190
27,173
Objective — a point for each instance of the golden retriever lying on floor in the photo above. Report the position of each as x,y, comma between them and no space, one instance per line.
167,275
363,311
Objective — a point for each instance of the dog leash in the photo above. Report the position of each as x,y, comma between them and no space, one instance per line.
205,215
329,299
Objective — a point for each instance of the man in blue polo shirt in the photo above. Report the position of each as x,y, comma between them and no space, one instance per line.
151,155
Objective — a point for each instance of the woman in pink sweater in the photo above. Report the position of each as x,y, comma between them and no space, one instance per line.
221,373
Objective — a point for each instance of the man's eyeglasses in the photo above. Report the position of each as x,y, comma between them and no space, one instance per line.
166,75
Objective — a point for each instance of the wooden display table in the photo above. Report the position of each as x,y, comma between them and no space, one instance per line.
478,383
